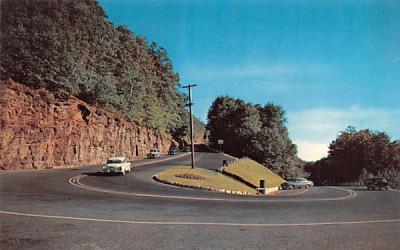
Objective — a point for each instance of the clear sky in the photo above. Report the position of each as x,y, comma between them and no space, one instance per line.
329,64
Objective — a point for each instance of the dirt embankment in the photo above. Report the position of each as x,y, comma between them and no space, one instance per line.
39,131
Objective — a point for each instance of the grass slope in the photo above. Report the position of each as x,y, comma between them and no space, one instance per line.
252,172
210,179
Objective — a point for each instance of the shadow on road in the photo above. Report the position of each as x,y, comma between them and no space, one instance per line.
148,170
99,174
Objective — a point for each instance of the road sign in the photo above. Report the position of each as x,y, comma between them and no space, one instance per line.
220,142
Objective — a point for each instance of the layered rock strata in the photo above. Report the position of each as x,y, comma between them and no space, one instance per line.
39,131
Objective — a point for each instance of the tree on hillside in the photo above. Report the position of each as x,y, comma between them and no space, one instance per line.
254,131
234,121
275,149
70,48
355,152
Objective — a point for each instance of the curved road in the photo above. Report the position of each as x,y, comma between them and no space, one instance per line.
81,209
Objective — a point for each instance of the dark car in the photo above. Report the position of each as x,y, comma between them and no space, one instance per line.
377,183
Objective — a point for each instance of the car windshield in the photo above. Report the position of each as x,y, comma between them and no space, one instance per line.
114,161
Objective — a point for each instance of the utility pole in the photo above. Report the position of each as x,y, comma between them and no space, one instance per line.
190,104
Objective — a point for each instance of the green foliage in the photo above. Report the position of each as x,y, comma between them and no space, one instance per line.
183,132
234,121
392,176
70,48
356,154
254,131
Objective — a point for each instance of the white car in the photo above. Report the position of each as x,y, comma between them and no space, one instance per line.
154,153
117,165
299,183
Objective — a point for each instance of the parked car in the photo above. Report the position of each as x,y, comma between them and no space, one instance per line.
117,165
377,183
186,149
299,183
172,151
154,153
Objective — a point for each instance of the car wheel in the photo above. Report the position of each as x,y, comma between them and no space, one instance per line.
291,187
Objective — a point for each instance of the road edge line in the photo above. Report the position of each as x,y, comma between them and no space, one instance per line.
188,223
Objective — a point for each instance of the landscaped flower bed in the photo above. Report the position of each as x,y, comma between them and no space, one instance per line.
200,178
190,176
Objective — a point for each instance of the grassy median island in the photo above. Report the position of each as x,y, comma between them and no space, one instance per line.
252,172
202,178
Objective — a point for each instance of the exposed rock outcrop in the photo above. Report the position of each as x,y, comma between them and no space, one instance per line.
39,131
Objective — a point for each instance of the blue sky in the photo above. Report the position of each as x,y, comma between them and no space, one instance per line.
330,64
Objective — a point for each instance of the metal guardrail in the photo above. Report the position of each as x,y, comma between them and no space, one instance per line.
354,184
226,164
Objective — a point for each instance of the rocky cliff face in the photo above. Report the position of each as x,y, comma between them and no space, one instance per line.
39,131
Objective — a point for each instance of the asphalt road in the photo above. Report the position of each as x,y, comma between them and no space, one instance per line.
82,209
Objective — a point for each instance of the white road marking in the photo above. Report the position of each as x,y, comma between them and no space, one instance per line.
161,160
75,181
3,172
189,223
291,194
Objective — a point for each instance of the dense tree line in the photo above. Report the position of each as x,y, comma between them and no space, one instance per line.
357,154
71,48
254,131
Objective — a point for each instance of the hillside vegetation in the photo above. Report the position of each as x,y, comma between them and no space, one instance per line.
356,155
254,131
70,48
